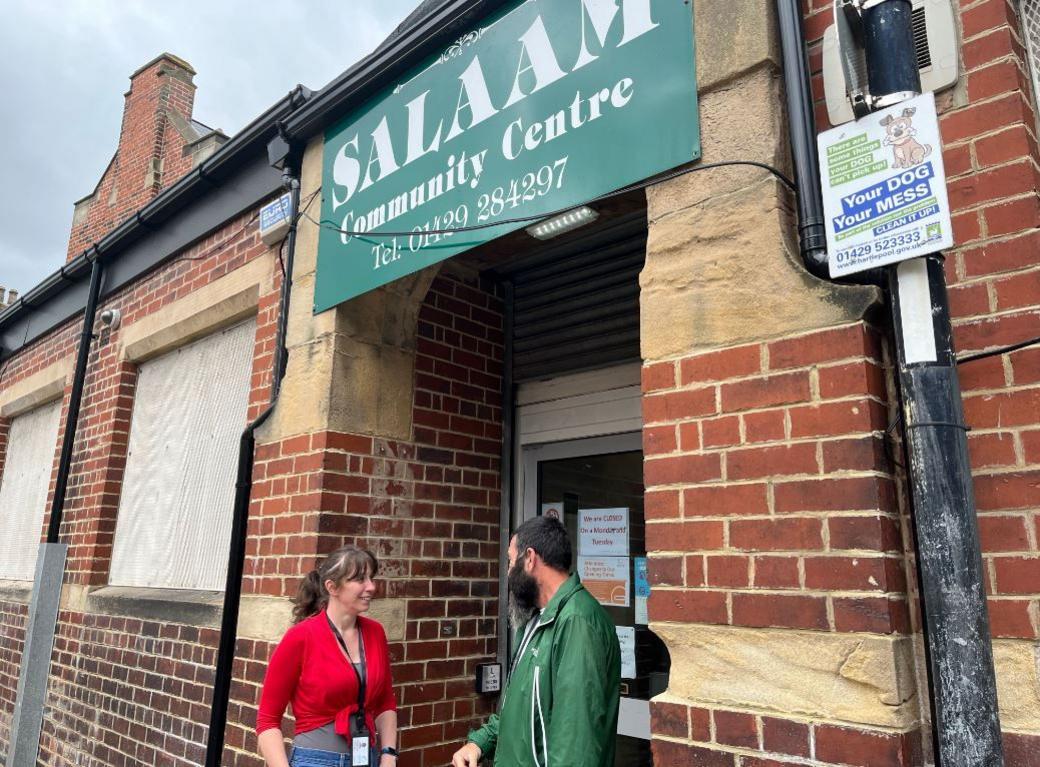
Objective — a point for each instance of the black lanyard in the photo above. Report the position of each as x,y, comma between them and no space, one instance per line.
362,673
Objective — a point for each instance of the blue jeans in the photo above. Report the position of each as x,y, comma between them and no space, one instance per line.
314,757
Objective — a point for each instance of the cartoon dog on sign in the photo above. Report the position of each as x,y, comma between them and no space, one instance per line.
906,150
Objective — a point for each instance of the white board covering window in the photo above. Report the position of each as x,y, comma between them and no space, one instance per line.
1029,13
31,446
174,523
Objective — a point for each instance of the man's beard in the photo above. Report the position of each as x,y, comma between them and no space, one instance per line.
523,595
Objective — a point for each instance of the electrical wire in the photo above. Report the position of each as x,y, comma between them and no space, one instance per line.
331,225
998,351
230,239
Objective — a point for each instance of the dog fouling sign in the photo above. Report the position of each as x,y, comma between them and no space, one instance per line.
884,188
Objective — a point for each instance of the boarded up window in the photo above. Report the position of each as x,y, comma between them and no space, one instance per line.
31,446
1029,11
174,524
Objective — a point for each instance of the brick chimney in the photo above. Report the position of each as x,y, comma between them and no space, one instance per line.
157,145
7,297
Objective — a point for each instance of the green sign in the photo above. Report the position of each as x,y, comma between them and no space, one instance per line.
544,106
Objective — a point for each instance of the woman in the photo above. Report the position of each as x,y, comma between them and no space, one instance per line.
333,665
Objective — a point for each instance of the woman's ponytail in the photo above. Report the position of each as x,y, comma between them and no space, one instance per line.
310,598
345,563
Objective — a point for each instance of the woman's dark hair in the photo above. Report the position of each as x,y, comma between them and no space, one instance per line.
548,537
349,563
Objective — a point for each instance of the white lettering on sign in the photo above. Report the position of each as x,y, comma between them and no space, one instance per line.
537,64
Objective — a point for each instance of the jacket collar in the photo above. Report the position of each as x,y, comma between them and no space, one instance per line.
567,589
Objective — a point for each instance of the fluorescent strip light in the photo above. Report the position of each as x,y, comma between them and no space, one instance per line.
564,222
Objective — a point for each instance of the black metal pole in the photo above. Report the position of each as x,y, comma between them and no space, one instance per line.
68,440
505,518
240,514
956,621
802,130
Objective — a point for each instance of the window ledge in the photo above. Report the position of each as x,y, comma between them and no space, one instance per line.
186,606
16,591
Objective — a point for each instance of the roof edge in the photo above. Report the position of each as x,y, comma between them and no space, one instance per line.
192,185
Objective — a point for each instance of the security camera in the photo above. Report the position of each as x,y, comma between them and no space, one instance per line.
110,318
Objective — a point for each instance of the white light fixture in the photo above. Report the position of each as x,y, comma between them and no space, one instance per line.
564,222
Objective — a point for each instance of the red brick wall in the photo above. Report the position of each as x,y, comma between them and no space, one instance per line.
124,691
428,508
13,618
771,502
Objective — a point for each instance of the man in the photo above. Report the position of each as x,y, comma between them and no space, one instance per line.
560,705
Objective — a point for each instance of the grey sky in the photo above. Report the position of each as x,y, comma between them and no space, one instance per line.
66,64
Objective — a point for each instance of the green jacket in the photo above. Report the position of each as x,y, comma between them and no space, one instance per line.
560,706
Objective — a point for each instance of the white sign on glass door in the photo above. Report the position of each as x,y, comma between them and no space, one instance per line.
603,532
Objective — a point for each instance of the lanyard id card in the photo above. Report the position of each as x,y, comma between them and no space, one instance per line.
359,739
359,751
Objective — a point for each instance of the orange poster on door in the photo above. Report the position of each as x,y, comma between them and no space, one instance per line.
606,578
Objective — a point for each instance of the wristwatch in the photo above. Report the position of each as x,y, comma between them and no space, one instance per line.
389,750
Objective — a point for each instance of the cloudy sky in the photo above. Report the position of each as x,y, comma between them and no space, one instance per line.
65,65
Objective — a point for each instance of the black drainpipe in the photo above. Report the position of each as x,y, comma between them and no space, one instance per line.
75,400
243,491
802,130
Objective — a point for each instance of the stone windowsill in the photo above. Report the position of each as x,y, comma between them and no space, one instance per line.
16,591
185,606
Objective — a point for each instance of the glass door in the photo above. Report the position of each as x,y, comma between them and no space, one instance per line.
595,487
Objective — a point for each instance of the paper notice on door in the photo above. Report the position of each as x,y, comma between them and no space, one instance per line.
603,532
626,636
606,578
553,510
642,589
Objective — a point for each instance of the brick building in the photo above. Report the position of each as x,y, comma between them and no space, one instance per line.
673,358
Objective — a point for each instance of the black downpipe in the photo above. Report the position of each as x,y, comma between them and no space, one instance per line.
956,622
802,129
240,519
61,484
505,518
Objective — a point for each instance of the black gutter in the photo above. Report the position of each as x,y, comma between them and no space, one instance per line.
214,171
240,514
75,400
802,129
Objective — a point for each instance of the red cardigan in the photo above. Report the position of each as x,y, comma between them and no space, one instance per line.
308,670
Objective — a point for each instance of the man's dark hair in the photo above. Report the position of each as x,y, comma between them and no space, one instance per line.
549,538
